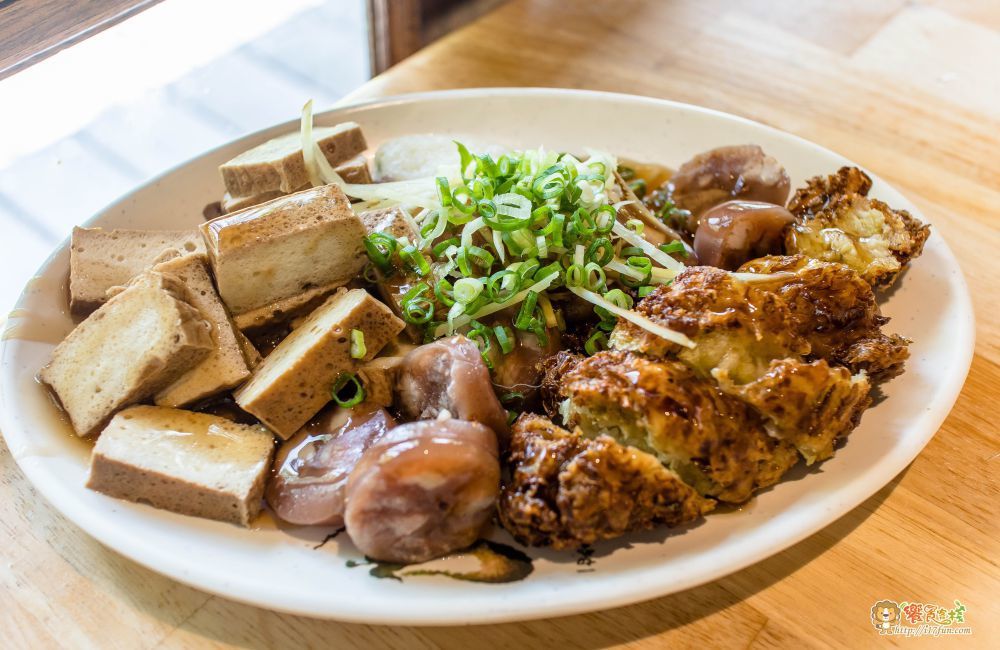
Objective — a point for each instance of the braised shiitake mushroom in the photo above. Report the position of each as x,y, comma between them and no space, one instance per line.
738,172
733,232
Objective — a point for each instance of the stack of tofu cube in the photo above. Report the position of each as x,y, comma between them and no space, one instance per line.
164,315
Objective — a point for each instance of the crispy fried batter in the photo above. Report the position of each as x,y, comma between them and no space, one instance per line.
715,442
837,222
811,405
737,327
553,368
754,345
822,192
568,490
835,310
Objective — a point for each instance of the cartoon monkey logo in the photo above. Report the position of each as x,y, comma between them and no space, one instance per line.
884,614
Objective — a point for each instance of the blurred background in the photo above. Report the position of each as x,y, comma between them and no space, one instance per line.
90,108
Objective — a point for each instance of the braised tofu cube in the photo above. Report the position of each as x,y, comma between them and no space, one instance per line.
141,340
273,257
100,259
296,380
278,165
191,463
227,364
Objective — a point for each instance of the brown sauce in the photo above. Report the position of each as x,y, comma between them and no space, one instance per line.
42,319
498,563
57,437
654,175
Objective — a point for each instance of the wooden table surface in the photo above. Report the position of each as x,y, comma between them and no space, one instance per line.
908,89
31,30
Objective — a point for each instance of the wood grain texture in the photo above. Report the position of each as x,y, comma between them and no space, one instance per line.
816,70
31,30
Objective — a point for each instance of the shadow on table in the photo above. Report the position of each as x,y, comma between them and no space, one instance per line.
247,626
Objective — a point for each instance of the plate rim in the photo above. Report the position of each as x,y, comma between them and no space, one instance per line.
850,496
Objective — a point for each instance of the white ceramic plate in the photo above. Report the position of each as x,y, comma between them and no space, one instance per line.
279,569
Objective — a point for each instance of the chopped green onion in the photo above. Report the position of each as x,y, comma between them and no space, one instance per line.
547,270
415,259
481,189
470,229
600,251
491,308
356,394
594,277
463,200
499,247
505,166
641,271
504,337
467,290
545,216
673,247
380,246
554,229
583,222
508,212
574,276
457,310
541,246
645,291
468,255
466,159
444,292
358,349
624,269
541,213
488,211
538,329
480,335
444,191
369,273
526,314
440,247
605,217
598,341
440,220
619,298
641,264
526,269
502,285
523,239
549,184
416,307
486,165
513,205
